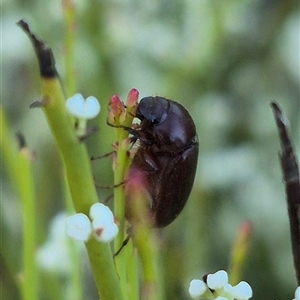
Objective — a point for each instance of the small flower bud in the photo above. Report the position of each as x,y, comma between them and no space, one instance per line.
132,101
116,108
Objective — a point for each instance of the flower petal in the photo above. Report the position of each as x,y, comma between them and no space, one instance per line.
197,288
217,280
92,107
103,230
75,105
79,227
228,290
99,210
242,291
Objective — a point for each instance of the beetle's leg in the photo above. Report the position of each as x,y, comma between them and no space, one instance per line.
117,126
147,161
125,242
136,134
107,199
110,186
102,156
139,135
151,161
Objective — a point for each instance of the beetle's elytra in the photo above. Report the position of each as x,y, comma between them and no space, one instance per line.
166,157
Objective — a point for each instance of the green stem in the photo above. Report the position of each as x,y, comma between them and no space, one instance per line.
19,168
9,155
239,253
30,283
133,290
145,240
69,10
119,209
146,243
120,169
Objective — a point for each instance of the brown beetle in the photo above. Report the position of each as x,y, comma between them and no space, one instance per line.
166,157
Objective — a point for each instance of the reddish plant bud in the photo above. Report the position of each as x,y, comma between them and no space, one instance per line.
116,109
132,100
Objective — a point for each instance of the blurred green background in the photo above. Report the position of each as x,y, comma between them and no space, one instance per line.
225,61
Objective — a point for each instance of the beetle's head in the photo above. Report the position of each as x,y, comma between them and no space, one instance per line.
153,109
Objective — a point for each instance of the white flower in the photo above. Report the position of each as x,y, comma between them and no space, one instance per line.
242,291
79,227
217,280
55,230
54,255
104,230
83,109
197,288
222,298
103,226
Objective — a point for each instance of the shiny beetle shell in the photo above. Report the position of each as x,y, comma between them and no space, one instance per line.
166,157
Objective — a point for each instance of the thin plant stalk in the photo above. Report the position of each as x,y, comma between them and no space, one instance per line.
239,253
119,208
69,11
19,166
29,277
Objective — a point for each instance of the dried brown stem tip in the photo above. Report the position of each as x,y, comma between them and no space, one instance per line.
43,52
291,178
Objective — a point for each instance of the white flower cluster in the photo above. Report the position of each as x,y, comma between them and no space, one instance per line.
297,293
217,287
103,226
